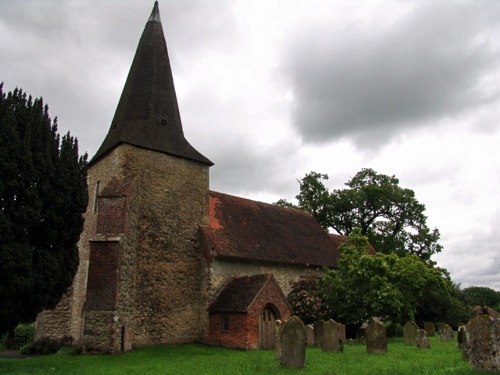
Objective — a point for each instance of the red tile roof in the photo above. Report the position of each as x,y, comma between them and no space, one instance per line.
240,292
249,230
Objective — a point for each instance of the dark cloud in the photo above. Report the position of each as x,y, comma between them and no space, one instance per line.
368,83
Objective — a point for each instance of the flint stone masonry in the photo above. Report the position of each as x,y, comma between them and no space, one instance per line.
422,339
294,343
483,343
331,337
376,338
410,333
446,333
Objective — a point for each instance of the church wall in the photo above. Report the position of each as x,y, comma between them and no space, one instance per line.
173,198
221,270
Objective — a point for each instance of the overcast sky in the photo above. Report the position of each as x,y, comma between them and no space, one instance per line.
270,90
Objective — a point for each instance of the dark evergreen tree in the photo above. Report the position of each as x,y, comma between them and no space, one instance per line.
43,194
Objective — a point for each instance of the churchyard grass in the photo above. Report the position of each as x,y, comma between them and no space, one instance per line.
442,358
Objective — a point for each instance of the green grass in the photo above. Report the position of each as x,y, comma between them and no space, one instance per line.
442,358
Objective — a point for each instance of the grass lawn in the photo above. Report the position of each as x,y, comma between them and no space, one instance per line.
442,358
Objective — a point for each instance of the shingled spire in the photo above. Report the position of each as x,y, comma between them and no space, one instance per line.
148,115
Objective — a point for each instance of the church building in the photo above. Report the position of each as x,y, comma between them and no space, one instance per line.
164,260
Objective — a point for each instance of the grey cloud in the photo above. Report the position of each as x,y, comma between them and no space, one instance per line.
367,84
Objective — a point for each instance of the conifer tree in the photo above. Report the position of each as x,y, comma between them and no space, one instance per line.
43,194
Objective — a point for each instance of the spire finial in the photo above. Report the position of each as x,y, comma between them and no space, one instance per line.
155,14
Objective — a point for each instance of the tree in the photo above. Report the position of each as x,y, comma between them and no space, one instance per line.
480,295
386,286
389,215
43,194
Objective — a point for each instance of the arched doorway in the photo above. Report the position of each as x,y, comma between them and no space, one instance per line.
267,322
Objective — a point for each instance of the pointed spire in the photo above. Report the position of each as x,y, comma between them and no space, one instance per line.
148,115
155,14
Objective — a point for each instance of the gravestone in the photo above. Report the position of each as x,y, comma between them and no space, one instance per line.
342,332
126,338
422,339
278,337
410,333
461,337
294,339
483,343
446,333
430,329
318,332
376,338
310,334
331,337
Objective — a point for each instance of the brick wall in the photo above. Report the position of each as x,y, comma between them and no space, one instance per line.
243,330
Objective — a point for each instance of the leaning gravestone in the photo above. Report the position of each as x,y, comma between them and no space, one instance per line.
446,333
294,343
422,339
483,343
310,334
461,337
318,332
410,333
278,337
331,337
430,329
376,338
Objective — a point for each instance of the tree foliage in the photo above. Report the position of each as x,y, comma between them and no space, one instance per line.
43,194
385,286
389,215
480,295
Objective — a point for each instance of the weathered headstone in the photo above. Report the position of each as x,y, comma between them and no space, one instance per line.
331,337
342,332
376,338
278,337
126,338
483,343
446,333
430,329
318,332
461,337
422,339
410,333
310,334
294,339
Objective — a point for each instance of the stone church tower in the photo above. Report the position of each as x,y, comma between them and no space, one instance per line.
141,270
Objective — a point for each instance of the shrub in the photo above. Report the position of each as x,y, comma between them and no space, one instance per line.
47,345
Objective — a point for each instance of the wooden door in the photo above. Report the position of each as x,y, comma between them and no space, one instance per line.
267,322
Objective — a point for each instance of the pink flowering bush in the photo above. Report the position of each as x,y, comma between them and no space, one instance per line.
306,298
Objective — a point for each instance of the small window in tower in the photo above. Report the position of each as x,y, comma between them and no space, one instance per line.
224,323
164,122
96,195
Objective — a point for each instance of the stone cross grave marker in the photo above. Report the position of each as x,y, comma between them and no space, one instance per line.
422,339
376,338
318,332
430,329
446,333
331,337
483,343
294,343
410,333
